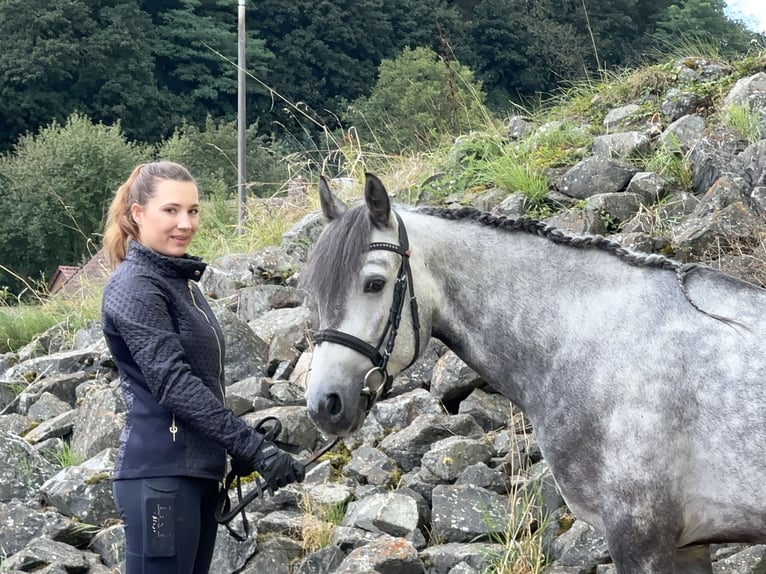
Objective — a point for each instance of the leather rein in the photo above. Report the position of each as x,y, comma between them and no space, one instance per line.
269,427
374,392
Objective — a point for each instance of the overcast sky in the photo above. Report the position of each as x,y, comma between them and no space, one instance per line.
752,12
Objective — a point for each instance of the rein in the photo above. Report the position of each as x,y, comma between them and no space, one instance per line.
379,359
225,513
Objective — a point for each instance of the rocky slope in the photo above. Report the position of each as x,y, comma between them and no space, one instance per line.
445,476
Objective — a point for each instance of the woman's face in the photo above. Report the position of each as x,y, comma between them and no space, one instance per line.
169,220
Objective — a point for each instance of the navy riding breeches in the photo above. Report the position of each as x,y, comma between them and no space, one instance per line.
169,522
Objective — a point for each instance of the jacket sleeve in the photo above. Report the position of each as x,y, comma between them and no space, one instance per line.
138,314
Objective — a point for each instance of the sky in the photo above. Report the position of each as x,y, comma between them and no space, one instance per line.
752,12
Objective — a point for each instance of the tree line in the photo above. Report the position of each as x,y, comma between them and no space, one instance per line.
153,64
89,88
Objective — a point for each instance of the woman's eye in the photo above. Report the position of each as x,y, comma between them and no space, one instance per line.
374,285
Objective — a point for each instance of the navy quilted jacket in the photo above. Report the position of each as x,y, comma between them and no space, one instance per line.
169,350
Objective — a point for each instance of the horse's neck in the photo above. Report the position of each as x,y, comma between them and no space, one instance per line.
504,301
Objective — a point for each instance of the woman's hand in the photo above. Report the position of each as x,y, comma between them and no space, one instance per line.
277,467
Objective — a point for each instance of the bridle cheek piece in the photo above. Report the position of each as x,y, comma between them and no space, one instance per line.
374,392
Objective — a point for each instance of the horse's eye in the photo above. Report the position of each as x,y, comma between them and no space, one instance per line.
374,285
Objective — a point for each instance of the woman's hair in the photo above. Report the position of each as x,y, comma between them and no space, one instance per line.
139,188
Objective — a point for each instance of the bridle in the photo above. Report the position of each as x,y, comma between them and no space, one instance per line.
380,359
226,511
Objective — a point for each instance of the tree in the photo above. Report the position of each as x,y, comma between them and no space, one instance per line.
328,53
62,56
196,60
417,101
530,50
703,21
149,65
58,184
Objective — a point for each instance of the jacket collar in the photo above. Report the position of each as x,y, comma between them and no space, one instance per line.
186,266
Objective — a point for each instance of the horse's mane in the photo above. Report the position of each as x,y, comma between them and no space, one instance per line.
557,235
341,251
336,256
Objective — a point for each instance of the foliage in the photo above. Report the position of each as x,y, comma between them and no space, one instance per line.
154,65
529,52
418,101
700,22
55,190
195,57
327,53
523,540
19,325
210,154
59,57
744,120
671,163
266,220
485,159
66,457
319,522
21,321
147,65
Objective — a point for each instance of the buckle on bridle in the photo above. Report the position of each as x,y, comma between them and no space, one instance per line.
370,391
373,393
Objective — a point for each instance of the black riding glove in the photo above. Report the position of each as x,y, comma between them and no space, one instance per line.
276,467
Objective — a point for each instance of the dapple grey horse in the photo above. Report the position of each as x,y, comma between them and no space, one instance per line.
644,378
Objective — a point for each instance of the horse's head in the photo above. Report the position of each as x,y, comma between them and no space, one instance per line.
359,275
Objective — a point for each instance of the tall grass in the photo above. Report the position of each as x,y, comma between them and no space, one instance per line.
66,457
673,164
264,223
522,542
319,523
24,317
743,120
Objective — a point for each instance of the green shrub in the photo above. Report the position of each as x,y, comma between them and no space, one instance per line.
56,186
417,102
211,156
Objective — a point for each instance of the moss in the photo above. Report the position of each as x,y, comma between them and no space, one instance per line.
97,478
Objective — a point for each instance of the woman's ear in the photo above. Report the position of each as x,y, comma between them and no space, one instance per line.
136,213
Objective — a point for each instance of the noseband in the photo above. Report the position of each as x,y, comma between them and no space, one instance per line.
380,360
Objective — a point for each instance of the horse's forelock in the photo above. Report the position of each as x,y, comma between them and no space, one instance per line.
337,255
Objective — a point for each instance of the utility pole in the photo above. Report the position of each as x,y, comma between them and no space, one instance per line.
241,121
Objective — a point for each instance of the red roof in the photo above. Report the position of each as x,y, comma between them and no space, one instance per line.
62,274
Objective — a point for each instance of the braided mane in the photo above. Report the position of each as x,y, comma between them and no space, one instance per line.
556,235
334,258
559,236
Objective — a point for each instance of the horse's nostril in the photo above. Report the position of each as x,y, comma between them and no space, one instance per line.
334,404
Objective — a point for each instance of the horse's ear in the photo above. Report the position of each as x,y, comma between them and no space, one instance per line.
332,206
376,197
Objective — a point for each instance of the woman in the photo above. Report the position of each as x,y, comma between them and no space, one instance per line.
169,350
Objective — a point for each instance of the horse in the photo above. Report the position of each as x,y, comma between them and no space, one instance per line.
642,376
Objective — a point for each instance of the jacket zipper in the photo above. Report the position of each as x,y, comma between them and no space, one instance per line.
215,334
173,428
222,482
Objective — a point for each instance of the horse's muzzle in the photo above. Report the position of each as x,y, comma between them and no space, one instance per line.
334,416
